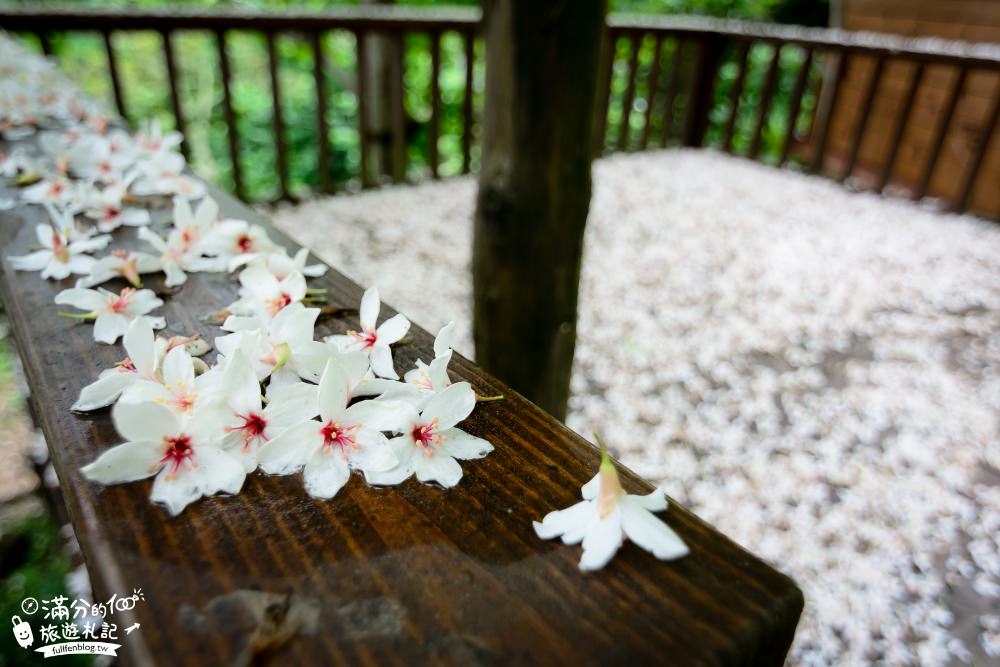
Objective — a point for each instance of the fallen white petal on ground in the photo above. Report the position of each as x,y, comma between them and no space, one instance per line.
814,372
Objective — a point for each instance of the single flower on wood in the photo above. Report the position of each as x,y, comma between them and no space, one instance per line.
112,313
607,515
374,341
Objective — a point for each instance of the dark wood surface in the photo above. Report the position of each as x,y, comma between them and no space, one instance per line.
411,574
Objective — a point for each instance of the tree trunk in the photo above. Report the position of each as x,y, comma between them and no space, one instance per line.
534,190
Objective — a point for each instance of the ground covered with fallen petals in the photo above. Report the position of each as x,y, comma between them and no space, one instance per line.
814,372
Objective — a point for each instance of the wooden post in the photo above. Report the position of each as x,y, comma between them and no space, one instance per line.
534,191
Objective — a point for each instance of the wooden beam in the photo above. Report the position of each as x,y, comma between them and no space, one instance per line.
534,191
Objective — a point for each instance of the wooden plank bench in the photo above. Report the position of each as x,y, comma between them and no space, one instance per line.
410,574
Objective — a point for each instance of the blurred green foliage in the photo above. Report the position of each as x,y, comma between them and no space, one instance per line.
146,91
40,572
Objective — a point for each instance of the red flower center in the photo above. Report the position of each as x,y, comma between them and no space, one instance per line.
334,433
122,301
179,451
245,244
424,436
366,338
253,426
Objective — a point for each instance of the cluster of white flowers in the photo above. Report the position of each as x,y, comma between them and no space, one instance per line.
276,398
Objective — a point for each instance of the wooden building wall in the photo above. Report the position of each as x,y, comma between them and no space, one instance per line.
967,20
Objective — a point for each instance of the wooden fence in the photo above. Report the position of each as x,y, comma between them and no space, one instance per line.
769,93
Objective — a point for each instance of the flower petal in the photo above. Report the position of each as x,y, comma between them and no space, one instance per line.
178,368
405,454
370,305
649,532
140,344
109,327
461,445
374,454
103,392
438,467
393,329
333,392
602,541
127,462
450,406
87,300
144,421
381,361
288,452
325,473
572,520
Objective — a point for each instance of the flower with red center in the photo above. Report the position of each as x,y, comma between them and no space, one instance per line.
430,443
248,424
125,264
140,364
112,313
179,452
277,303
345,438
185,458
336,434
61,253
374,341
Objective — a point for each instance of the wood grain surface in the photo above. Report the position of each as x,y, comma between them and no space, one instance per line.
411,574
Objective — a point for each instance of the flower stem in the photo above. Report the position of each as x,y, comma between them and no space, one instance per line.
78,316
488,399
316,290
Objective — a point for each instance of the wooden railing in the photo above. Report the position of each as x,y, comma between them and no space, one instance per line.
664,84
363,23
769,93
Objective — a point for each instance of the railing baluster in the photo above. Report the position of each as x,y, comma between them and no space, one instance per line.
322,131
230,116
175,93
826,118
277,117
699,99
902,121
43,41
362,97
765,102
116,84
629,98
795,106
398,123
667,127
941,133
989,130
470,55
866,113
652,83
434,129
609,46
734,96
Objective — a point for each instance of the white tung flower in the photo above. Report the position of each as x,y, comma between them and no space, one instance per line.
430,443
423,382
264,295
281,348
141,363
249,425
344,439
125,264
186,457
280,264
606,516
112,313
175,385
238,241
106,208
374,341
